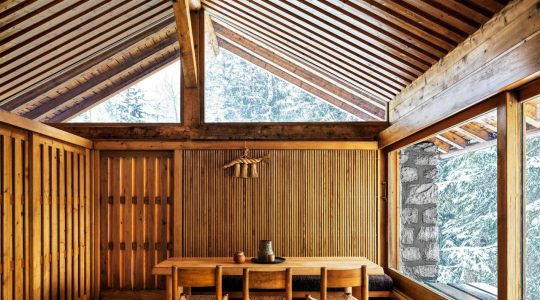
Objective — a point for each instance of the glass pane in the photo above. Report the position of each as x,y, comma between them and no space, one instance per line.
448,210
532,198
155,99
237,90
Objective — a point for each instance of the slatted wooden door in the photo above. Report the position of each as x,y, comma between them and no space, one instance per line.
136,217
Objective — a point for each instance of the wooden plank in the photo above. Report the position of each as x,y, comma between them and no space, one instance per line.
453,139
46,220
20,181
128,186
509,197
62,268
76,224
38,127
96,225
186,42
178,237
69,225
55,243
150,220
82,225
239,131
7,218
115,223
104,223
140,164
34,220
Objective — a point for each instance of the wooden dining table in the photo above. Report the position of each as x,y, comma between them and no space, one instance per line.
299,266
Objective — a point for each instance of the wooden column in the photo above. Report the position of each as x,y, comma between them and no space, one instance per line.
192,95
509,190
177,204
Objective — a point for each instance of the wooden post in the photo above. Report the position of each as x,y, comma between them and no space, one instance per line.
509,190
177,204
192,95
34,207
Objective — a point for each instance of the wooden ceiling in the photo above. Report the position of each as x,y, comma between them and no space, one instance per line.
59,58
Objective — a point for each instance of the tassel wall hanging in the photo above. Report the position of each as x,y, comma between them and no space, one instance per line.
243,164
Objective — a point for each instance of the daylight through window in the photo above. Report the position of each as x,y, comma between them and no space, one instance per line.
155,99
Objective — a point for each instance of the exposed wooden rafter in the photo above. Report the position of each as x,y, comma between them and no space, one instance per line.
82,67
130,61
106,93
186,42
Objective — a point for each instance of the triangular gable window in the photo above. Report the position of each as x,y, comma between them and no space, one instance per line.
237,90
155,99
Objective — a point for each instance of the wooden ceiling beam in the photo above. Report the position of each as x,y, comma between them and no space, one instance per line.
302,51
82,67
222,27
23,11
70,46
452,139
301,78
329,43
354,25
186,42
462,10
129,62
443,147
416,17
210,34
105,94
475,131
365,45
302,38
531,114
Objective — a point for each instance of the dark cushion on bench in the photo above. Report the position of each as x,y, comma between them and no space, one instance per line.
233,283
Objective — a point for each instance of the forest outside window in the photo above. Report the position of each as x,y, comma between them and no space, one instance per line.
155,99
445,191
237,90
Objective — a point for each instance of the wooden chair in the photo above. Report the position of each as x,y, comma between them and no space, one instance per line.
357,279
267,280
202,277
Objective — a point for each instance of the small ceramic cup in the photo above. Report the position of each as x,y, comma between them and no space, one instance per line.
239,257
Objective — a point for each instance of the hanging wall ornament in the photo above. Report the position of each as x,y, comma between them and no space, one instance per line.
243,164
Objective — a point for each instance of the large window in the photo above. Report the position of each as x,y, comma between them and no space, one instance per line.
532,199
155,99
447,209
236,90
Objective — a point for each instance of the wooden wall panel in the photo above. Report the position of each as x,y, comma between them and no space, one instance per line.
136,217
41,192
309,202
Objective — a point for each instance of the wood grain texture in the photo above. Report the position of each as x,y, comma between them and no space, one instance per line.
331,214
36,177
135,191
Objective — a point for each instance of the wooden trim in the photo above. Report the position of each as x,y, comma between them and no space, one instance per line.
38,127
382,209
412,288
265,145
529,91
393,212
452,121
96,192
509,195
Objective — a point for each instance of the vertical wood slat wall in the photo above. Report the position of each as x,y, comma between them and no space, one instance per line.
46,212
136,209
308,202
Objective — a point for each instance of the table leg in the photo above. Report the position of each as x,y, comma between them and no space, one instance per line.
357,292
169,288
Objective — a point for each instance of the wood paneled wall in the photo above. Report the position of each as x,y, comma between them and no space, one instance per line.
309,202
46,212
136,210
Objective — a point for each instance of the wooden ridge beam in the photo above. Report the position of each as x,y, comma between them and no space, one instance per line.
106,93
297,75
83,67
129,62
186,42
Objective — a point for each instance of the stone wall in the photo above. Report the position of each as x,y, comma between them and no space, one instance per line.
419,231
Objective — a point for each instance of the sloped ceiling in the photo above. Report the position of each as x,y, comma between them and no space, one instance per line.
59,58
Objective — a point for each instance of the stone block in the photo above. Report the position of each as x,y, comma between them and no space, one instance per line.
429,216
422,194
426,161
409,216
431,252
407,236
403,158
430,173
428,234
409,174
410,254
427,271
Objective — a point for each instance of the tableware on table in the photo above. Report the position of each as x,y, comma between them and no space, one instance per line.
277,260
265,250
239,257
